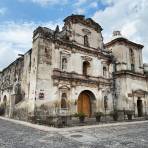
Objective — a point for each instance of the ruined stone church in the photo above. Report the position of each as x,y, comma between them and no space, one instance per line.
73,70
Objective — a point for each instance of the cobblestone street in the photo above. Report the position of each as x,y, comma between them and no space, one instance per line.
124,136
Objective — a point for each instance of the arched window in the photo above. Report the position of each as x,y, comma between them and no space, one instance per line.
64,63
63,101
67,37
86,43
46,51
104,71
86,65
132,59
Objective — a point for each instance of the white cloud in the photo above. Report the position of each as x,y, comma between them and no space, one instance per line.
129,17
78,6
46,2
80,2
81,6
108,2
17,38
93,5
79,11
3,11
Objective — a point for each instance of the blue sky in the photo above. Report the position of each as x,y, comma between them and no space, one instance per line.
42,10
18,19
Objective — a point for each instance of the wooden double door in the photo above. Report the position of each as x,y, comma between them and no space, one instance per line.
84,104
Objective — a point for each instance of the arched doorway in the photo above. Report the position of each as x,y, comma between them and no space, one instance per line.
5,103
86,103
5,100
139,107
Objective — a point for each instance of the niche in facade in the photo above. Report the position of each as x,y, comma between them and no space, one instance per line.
86,66
63,101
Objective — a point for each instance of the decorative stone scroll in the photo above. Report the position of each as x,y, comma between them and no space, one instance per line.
86,58
86,31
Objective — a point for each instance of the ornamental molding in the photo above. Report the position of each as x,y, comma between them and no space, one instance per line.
86,58
86,31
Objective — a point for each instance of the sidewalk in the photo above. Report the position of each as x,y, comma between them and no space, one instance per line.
53,129
28,124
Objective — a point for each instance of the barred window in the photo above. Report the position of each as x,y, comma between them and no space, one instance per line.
104,71
132,59
86,42
64,63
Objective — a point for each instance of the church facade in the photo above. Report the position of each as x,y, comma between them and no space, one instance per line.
74,71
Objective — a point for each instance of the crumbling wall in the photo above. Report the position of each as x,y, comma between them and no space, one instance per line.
25,84
11,83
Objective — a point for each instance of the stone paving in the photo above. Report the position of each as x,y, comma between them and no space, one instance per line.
134,135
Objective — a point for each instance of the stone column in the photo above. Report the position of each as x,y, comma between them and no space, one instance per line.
11,105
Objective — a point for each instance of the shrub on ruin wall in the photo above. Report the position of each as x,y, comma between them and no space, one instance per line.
2,109
43,115
20,114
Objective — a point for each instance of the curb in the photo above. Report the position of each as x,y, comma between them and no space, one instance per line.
103,125
28,124
53,129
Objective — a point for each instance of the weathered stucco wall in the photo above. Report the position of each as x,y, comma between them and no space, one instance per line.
121,53
95,38
56,65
